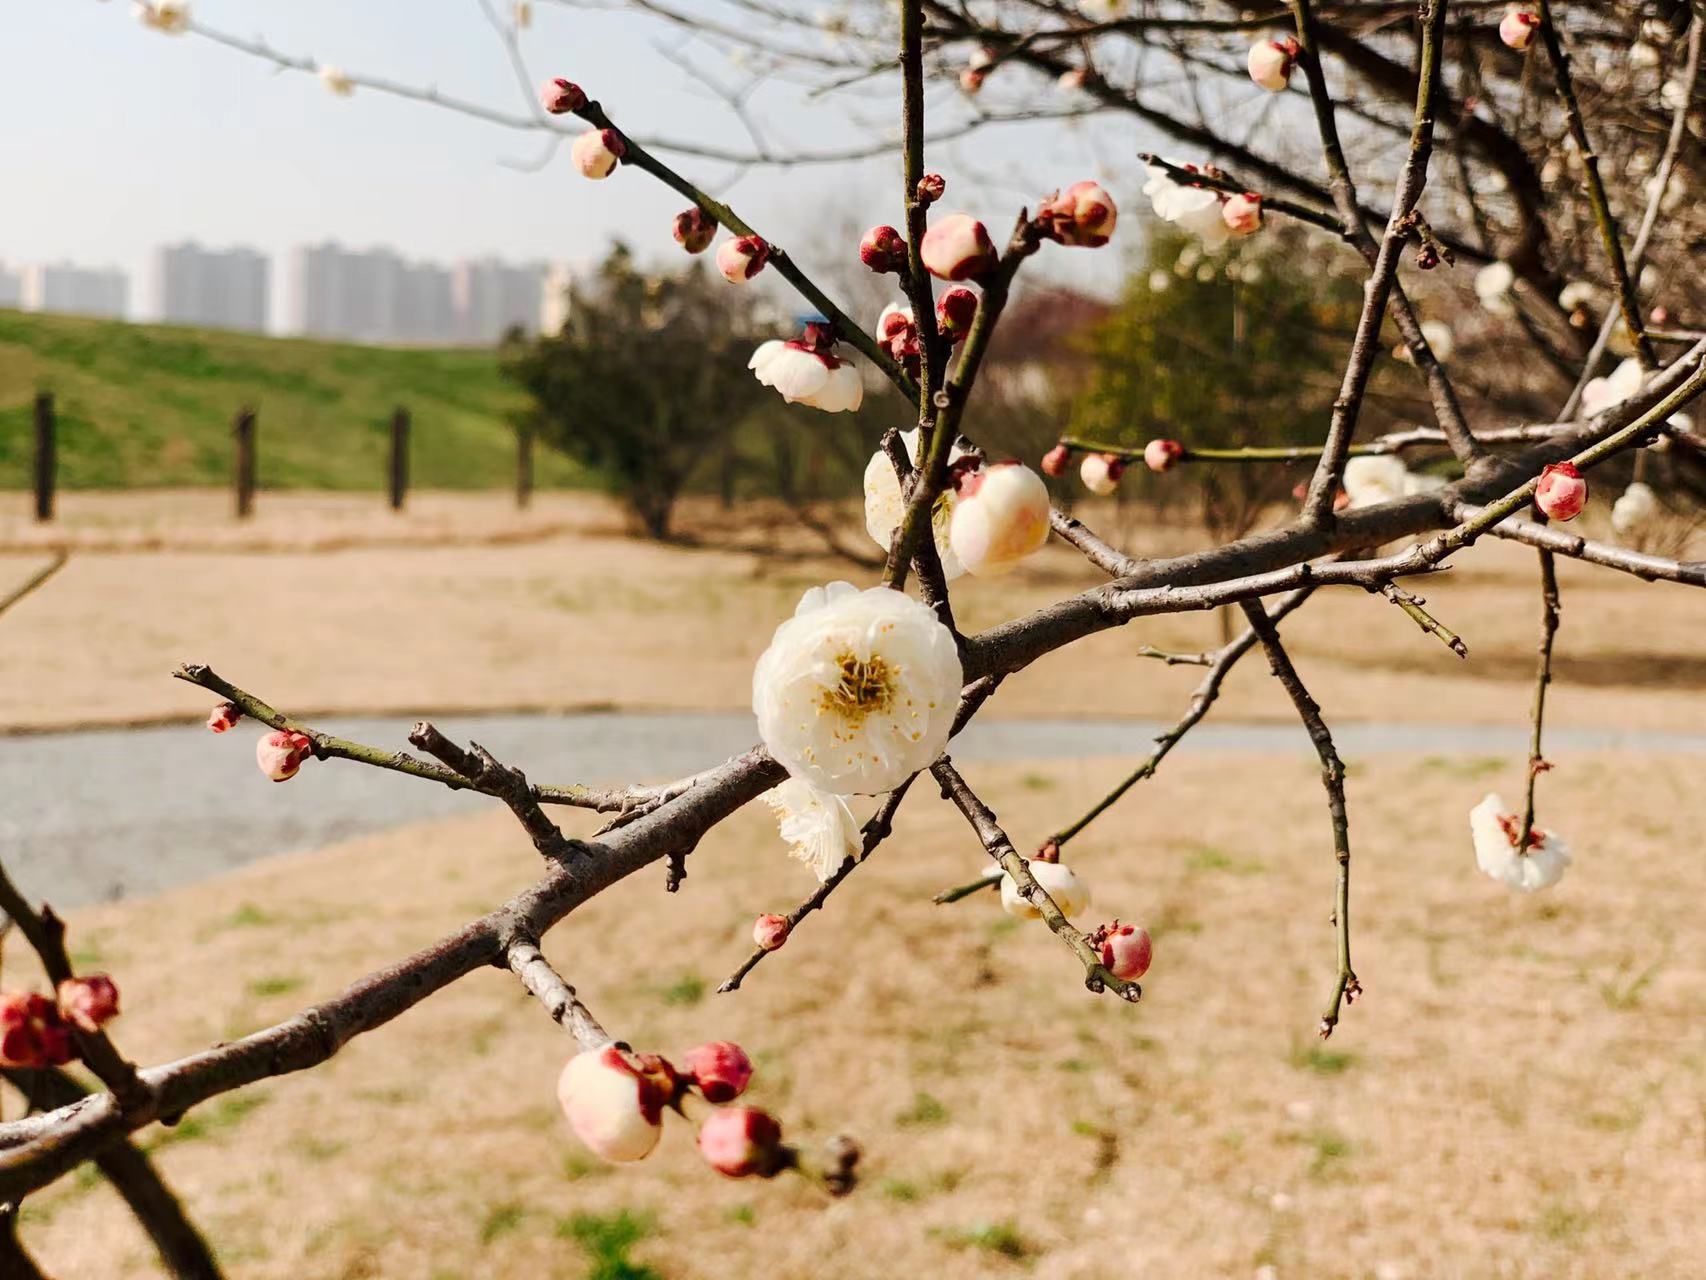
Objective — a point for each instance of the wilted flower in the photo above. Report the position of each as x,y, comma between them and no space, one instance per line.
857,690
695,229
1101,473
170,16
1517,28
1193,209
596,152
818,826
560,97
885,506
281,753
883,250
1057,880
720,1069
1160,455
1002,517
336,81
1536,862
1561,492
1271,62
32,1032
223,717
1635,510
740,260
89,1002
1082,214
741,1141
1242,213
614,1101
807,371
957,248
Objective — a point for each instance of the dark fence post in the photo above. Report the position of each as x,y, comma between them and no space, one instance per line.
243,428
523,466
399,458
45,460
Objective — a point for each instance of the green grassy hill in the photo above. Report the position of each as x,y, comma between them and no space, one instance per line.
151,405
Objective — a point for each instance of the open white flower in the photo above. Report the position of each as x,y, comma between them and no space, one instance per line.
1193,209
170,16
807,371
1494,830
858,689
1372,478
1493,285
1622,382
885,507
1635,510
819,826
1069,892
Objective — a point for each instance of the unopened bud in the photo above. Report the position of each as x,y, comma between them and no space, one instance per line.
1160,455
614,1101
560,97
1562,492
1083,215
740,260
1271,62
955,310
883,250
223,717
1427,257
720,1069
1056,460
1242,213
32,1032
1101,473
695,229
596,152
741,1141
1517,28
281,753
1001,517
1047,851
770,932
957,248
931,188
1125,949
89,1002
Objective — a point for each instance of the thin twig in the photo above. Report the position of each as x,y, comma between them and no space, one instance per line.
35,581
1411,604
1549,610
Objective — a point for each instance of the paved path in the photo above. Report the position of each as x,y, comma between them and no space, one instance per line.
93,816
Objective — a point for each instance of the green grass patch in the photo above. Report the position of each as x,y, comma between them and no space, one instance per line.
277,985
1207,857
924,1112
500,1221
686,991
1003,1238
209,1121
1322,1060
606,1239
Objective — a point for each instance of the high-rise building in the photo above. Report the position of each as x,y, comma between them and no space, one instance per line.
221,289
376,296
73,290
11,287
493,297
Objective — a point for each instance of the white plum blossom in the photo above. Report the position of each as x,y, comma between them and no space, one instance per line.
170,16
614,1108
1440,338
1002,517
1578,293
818,826
1493,285
1601,394
1635,511
337,83
1372,478
857,691
1193,209
1494,830
885,507
807,371
1069,892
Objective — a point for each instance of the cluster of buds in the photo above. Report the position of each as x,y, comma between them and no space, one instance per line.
1082,215
597,151
1001,516
1517,28
1125,949
695,229
807,371
957,247
1562,491
560,97
741,259
614,1100
282,752
1271,62
1102,472
36,1031
883,250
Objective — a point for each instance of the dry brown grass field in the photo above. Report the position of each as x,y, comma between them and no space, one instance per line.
1522,1093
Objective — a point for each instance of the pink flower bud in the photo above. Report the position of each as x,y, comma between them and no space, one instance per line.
281,753
695,229
1271,62
1562,492
1242,214
1160,455
721,1069
740,1141
1047,851
89,1002
1072,80
1083,215
1056,460
896,321
930,188
770,932
883,250
1517,28
955,310
740,260
596,152
957,248
1101,473
1001,517
32,1033
1126,950
560,97
971,80
223,717
614,1101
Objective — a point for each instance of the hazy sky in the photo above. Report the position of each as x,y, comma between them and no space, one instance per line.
119,138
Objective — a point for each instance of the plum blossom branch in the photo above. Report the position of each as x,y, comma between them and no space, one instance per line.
1549,609
561,1002
35,581
486,774
1411,604
1345,987
1650,568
